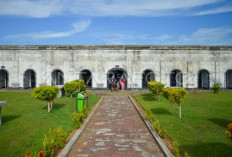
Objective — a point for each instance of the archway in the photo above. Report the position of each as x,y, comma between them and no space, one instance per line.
29,80
176,78
147,76
57,77
4,78
118,73
87,77
203,79
229,79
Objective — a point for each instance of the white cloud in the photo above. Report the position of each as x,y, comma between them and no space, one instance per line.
215,11
78,27
47,8
205,36
163,37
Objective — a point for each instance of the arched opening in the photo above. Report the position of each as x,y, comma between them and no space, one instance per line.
4,78
57,77
176,78
29,80
203,79
229,79
118,73
87,77
147,76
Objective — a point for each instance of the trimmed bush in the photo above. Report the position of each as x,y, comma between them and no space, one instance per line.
81,87
175,95
46,93
156,88
70,87
216,88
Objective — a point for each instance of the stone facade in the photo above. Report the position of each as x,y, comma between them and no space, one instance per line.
70,61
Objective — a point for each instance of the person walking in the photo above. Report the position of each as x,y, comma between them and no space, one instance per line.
122,83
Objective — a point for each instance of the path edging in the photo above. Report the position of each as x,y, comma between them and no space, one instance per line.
155,135
69,145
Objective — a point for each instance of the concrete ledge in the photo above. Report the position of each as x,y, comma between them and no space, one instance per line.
72,141
155,135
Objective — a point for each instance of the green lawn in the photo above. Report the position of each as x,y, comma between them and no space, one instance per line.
26,120
201,131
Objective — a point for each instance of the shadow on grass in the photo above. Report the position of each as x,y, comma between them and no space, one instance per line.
221,122
55,106
149,97
8,118
209,149
160,111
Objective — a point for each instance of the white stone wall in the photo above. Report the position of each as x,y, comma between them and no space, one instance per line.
71,60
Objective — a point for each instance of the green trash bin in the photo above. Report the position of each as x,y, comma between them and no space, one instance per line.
81,101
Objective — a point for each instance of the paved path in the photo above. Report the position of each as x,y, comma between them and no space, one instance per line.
116,130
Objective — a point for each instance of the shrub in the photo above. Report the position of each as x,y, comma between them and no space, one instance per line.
163,133
148,115
216,88
79,117
176,151
55,140
0,85
46,93
229,131
156,88
157,126
81,87
186,154
71,87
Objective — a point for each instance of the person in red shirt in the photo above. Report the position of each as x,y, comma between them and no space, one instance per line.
122,83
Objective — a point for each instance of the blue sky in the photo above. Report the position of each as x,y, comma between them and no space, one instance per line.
115,22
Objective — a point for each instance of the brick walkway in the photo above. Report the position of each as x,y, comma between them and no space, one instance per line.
116,130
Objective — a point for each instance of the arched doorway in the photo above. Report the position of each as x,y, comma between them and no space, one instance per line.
4,78
87,77
229,79
29,80
57,77
118,73
176,78
147,76
203,79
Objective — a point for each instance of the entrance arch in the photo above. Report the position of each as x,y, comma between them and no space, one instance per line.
229,79
176,78
147,76
29,80
57,77
4,78
118,73
203,79
87,77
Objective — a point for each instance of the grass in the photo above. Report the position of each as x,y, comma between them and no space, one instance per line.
26,120
201,131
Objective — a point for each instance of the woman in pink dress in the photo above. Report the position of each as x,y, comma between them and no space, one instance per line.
122,83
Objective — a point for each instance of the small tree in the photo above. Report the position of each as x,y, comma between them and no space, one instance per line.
179,95
71,87
156,88
175,95
46,93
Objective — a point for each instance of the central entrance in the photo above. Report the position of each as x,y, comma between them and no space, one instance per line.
118,73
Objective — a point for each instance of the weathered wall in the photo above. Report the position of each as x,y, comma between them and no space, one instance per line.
71,60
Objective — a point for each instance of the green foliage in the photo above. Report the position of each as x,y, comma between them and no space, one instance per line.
54,141
79,117
186,154
155,87
148,115
81,87
0,85
176,151
216,88
71,87
46,93
176,95
157,126
163,133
